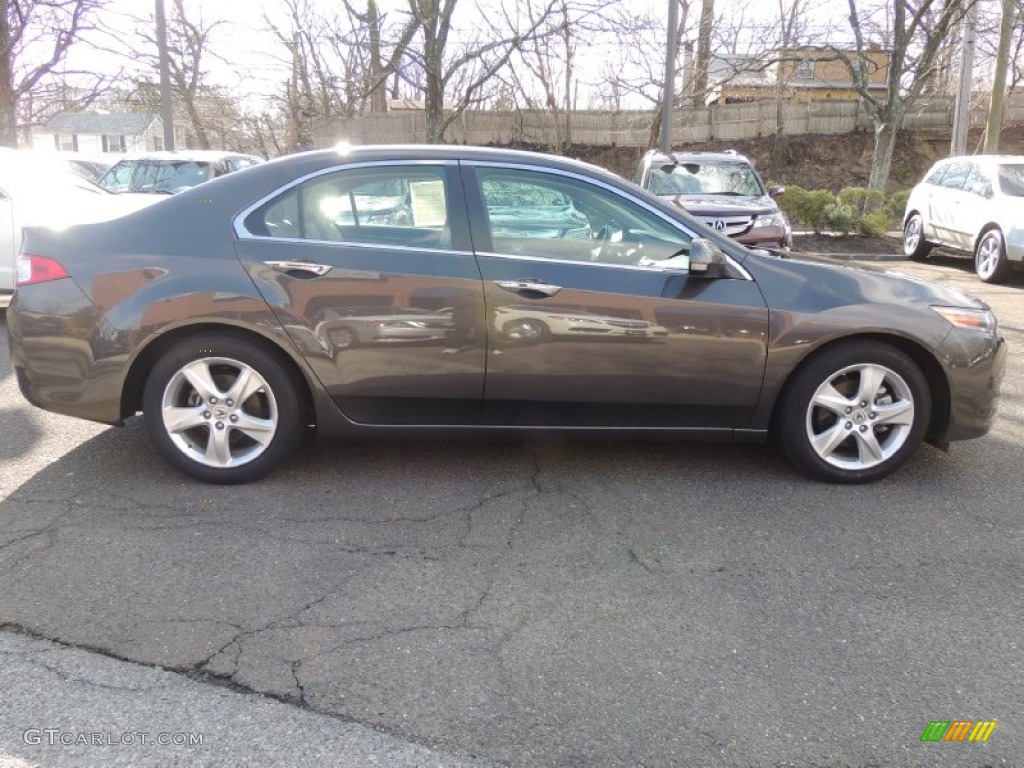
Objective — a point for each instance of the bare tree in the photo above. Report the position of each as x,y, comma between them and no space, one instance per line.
914,40
189,50
460,71
35,37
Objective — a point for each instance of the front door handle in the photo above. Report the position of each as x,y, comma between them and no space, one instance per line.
313,270
528,285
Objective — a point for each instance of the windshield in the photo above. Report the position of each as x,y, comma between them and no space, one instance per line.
714,177
165,177
1011,180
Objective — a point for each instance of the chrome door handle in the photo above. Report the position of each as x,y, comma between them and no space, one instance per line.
528,284
318,270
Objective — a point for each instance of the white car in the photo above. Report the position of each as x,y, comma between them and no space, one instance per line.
38,190
973,204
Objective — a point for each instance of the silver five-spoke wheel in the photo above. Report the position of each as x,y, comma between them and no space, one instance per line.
860,416
219,412
854,412
224,408
990,262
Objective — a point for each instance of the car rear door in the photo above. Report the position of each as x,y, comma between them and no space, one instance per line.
370,269
592,317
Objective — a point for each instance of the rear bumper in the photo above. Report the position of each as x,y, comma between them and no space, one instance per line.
76,365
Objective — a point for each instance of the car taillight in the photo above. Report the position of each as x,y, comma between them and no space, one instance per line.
38,269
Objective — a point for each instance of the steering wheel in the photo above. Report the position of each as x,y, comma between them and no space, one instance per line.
613,247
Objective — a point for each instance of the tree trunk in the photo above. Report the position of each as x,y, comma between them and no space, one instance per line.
8,98
995,110
434,94
700,75
378,96
197,124
881,162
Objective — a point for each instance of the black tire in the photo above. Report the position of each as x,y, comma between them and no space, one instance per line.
915,247
526,331
848,367
281,399
990,262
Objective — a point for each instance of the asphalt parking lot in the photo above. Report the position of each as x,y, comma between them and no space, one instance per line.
549,602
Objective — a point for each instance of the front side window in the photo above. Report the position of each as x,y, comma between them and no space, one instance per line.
387,205
547,215
956,175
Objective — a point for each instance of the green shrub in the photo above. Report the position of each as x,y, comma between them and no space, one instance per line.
840,218
806,207
896,205
875,224
861,199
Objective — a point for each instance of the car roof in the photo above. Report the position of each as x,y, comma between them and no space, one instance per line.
683,157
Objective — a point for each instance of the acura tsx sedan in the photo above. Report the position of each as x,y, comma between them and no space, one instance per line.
206,314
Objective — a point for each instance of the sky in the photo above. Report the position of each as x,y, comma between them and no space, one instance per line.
248,45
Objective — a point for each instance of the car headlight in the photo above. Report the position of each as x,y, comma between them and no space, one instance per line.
770,220
974,319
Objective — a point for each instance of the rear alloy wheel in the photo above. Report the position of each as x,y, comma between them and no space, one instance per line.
855,413
222,409
914,245
990,261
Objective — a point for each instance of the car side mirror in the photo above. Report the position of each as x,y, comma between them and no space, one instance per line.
776,191
707,260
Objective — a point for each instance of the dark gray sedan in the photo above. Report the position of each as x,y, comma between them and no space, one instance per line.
206,313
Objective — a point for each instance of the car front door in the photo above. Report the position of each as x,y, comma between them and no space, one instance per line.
592,316
371,271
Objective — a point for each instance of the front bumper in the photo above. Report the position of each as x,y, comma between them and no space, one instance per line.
974,363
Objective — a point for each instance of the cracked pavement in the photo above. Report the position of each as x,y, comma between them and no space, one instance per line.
536,602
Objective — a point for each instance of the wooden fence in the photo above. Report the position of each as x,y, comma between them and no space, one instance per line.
606,128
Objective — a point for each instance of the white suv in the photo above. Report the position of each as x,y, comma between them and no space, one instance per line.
973,204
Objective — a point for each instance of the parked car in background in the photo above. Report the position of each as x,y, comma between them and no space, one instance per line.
723,190
231,333
973,205
39,189
172,172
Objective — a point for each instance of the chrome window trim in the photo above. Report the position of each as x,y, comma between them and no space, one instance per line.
614,190
243,234
347,244
542,259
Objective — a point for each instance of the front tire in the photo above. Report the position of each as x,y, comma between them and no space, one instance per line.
223,409
990,262
854,413
915,247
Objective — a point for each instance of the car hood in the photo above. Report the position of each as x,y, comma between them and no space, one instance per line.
820,285
723,204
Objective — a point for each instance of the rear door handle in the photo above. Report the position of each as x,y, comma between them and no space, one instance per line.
528,285
314,270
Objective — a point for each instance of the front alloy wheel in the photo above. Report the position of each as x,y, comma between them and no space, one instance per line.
222,409
914,245
855,412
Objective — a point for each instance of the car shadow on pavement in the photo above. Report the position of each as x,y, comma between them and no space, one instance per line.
471,593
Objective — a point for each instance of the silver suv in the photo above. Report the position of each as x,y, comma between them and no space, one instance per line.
972,204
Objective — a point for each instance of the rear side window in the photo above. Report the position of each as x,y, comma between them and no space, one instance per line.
956,175
405,206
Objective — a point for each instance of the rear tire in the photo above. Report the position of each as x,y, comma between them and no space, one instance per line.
854,413
990,262
915,247
223,409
